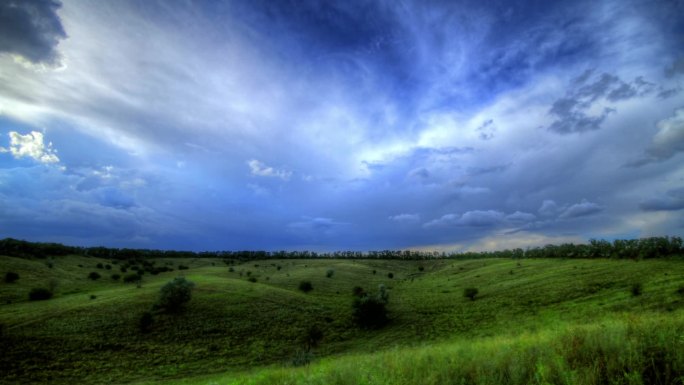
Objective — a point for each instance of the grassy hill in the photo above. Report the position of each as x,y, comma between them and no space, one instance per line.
533,319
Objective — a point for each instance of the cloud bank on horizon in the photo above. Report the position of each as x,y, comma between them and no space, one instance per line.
362,125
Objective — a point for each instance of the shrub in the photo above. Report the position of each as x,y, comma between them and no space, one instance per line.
329,273
305,286
99,266
145,322
11,277
182,267
313,337
374,271
252,279
470,292
94,275
175,294
230,270
108,267
421,268
123,269
636,289
370,311
357,291
93,296
116,277
390,275
131,278
39,293
680,290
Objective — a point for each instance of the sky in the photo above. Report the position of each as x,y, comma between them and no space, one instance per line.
340,125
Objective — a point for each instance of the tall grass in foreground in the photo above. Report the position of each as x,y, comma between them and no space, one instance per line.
627,350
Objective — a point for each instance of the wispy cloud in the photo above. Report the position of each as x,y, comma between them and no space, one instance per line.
259,168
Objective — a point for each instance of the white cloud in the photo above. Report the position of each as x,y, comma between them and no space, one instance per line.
259,168
670,137
405,218
475,218
548,208
520,216
581,209
31,146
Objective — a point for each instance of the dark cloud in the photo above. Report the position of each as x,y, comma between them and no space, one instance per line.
667,93
676,68
571,111
673,200
31,29
473,171
579,122
487,129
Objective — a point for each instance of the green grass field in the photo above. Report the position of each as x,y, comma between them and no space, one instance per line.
542,321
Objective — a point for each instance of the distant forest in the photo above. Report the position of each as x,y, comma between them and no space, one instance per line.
654,247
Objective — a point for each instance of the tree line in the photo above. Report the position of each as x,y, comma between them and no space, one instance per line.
644,248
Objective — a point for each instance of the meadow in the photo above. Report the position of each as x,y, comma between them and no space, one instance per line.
533,320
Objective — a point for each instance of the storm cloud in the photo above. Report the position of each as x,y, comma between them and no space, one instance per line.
339,124
31,29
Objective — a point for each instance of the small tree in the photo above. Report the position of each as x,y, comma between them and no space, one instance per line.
370,311
11,277
131,278
145,322
470,292
329,273
94,275
175,294
313,337
305,286
390,275
40,293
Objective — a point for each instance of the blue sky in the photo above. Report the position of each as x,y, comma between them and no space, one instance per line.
365,125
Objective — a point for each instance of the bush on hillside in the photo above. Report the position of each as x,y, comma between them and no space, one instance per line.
94,275
313,337
636,289
131,278
357,291
305,286
252,279
40,293
470,292
370,311
11,277
175,294
390,275
145,322
330,273
116,277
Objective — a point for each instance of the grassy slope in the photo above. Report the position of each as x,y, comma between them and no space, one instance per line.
232,325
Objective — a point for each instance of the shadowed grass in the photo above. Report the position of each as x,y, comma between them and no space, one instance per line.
627,349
